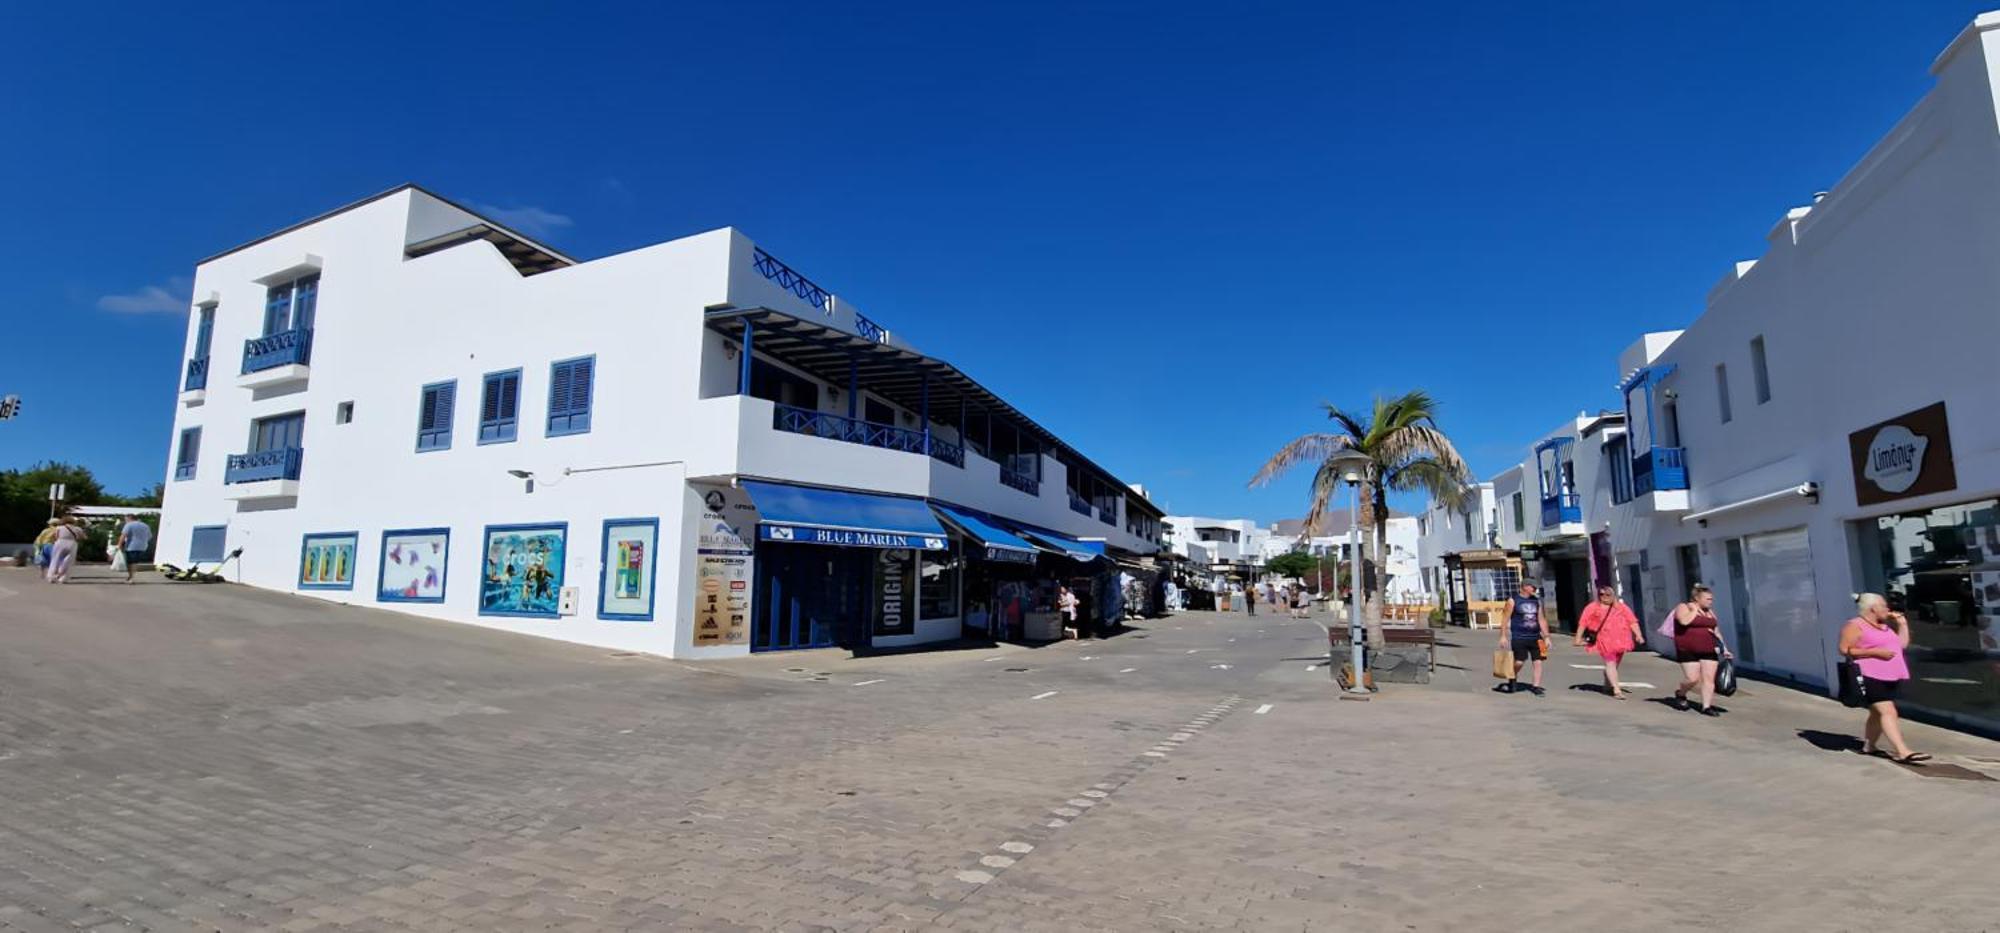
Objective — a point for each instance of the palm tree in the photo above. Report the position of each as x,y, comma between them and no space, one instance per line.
1407,452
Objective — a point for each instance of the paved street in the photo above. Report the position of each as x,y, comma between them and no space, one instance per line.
182,758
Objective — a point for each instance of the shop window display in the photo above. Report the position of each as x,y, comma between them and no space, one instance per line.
1942,568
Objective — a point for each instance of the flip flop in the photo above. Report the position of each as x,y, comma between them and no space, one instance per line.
1912,758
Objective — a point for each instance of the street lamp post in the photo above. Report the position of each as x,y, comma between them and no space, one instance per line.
1351,464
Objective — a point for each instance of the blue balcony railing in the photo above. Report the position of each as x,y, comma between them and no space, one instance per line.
869,330
852,430
948,452
789,279
1659,470
197,375
280,349
282,463
1079,504
1020,480
1108,514
1564,507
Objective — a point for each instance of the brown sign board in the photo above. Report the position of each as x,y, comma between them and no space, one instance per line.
1905,456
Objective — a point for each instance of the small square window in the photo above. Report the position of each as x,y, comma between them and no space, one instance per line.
344,413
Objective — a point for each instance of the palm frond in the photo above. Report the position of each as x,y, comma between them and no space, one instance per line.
1350,424
1433,477
1306,449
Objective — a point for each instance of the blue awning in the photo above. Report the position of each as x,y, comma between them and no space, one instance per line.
1000,545
805,515
1065,546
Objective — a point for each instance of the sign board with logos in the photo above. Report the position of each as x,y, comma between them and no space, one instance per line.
723,565
802,534
1908,455
895,592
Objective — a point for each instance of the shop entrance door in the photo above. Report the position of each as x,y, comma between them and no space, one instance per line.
812,596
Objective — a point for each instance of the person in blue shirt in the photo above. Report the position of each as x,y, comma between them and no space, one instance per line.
1526,632
135,538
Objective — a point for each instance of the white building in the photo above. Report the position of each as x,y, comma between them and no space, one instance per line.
1826,425
1221,545
688,449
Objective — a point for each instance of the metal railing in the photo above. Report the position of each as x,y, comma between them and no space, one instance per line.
280,349
1562,507
948,452
1079,504
1108,514
197,375
1020,480
790,280
262,465
841,428
869,330
1658,470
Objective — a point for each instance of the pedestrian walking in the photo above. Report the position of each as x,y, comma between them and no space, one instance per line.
1250,598
45,543
1527,636
1066,603
1874,640
135,538
62,553
1610,629
1698,647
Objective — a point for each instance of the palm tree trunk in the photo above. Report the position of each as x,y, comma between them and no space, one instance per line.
1370,583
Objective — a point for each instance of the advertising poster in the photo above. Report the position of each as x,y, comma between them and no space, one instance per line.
523,571
326,561
413,565
895,603
723,561
631,549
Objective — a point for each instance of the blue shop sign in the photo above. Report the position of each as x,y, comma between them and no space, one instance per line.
801,534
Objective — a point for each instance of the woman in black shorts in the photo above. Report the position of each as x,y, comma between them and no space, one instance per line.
1698,648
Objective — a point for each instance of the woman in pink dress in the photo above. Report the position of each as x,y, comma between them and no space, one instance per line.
1611,630
1874,641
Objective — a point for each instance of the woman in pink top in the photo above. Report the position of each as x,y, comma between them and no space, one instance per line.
1616,630
1875,640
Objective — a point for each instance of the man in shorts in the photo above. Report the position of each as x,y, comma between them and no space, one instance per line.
1527,630
135,538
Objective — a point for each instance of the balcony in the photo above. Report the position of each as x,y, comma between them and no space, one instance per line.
194,389
855,431
1561,509
1661,474
1079,504
1108,514
1020,480
948,452
276,359
264,474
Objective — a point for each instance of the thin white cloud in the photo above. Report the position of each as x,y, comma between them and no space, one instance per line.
171,298
527,218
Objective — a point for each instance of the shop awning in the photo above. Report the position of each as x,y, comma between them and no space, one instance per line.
807,515
1000,545
1064,546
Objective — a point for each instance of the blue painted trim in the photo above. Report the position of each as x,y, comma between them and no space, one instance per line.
513,424
562,573
604,560
382,561
548,424
184,465
450,423
198,529
743,369
306,540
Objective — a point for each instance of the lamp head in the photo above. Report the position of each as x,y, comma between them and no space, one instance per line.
520,474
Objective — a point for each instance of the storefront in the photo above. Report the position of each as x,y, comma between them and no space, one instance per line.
999,576
1939,566
850,570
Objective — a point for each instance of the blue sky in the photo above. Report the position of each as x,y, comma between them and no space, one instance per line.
1167,232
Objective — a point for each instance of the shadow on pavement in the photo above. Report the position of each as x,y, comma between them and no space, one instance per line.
1830,741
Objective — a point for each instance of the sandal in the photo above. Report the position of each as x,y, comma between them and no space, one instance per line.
1912,758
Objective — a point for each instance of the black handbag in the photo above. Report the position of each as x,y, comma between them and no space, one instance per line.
1589,637
1852,691
1725,669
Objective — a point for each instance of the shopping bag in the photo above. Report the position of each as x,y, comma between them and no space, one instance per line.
117,559
1667,627
1503,664
1852,692
1725,677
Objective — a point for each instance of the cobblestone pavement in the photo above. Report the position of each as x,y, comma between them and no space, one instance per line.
216,758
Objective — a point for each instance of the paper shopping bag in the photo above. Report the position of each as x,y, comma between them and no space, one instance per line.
1503,664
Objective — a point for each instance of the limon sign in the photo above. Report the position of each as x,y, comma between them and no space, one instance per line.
1905,456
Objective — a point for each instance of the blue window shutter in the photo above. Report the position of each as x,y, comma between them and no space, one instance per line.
499,404
434,416
569,396
277,309
189,455
206,543
205,334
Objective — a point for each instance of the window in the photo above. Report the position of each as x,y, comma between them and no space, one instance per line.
937,592
1520,513
1689,557
1760,370
291,306
189,452
499,407
878,412
206,543
343,413
434,411
278,432
204,332
1722,392
1618,459
569,396
1468,527
1670,424
782,386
